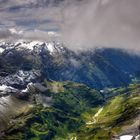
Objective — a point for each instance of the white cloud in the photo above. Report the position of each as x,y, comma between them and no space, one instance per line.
14,31
113,23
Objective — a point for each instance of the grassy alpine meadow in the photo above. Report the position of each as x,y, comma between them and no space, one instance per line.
78,112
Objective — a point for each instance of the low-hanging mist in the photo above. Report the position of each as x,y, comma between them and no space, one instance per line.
107,23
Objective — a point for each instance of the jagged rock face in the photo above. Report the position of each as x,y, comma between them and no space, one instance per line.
20,79
98,69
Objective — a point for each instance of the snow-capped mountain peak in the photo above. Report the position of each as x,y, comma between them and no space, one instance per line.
27,44
51,47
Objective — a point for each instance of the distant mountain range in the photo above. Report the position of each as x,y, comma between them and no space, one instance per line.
98,68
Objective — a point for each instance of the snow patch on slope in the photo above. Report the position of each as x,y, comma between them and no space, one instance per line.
28,45
1,50
50,47
126,137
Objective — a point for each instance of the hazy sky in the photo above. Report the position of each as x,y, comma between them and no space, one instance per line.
80,24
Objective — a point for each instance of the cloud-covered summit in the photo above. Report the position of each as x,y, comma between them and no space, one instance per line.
81,24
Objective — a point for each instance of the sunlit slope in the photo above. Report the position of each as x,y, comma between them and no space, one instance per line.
11,109
119,116
79,112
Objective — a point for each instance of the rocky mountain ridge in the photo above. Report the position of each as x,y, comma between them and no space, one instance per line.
36,97
98,68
